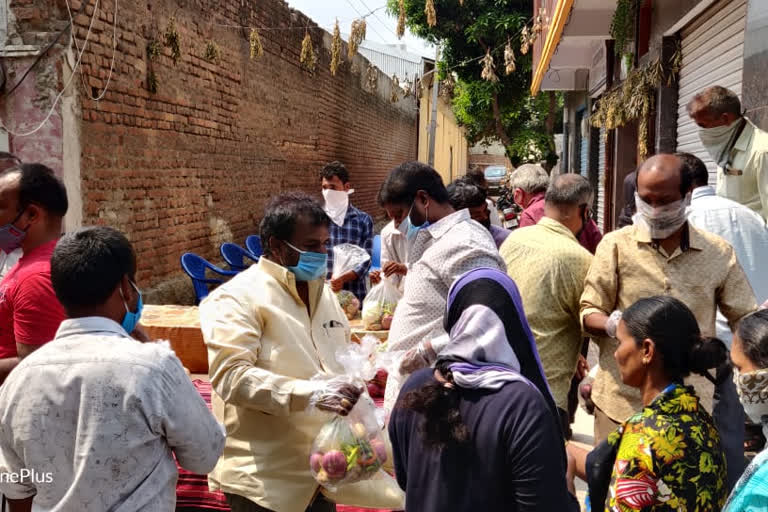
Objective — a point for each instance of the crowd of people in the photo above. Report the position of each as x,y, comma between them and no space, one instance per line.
488,344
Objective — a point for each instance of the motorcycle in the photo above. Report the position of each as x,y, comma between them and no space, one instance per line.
510,212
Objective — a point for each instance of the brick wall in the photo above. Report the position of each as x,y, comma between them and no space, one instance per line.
193,164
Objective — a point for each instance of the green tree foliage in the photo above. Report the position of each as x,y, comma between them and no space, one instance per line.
502,110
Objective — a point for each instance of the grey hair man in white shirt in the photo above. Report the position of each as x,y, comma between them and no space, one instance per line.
93,419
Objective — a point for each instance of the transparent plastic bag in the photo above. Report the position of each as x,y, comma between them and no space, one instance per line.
379,306
351,448
349,303
347,257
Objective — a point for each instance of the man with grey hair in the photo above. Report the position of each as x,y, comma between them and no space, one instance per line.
738,147
549,267
529,184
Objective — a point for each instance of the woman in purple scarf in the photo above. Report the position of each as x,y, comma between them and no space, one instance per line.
480,430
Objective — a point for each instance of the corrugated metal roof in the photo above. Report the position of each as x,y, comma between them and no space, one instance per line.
393,59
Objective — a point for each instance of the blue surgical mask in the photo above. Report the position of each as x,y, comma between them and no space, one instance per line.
414,230
11,237
131,318
311,266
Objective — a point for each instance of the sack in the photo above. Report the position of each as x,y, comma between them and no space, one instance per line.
351,448
379,306
347,257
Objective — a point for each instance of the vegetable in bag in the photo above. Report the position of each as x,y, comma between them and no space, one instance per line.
379,306
347,257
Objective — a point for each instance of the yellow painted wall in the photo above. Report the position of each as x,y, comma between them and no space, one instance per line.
451,148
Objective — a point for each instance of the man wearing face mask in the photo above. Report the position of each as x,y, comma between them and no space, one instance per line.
529,183
738,147
33,202
443,245
660,254
106,413
8,260
269,331
464,193
549,265
348,226
394,246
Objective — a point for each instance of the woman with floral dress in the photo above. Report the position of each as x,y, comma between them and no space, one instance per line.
666,457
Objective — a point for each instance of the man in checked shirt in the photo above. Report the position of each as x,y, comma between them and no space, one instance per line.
348,226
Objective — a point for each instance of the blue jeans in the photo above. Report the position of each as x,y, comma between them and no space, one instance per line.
729,419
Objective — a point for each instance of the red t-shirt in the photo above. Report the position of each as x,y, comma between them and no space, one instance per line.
30,313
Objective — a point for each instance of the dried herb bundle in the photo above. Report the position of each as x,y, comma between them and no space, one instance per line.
371,79
395,97
489,68
525,40
254,42
509,58
307,57
401,19
336,49
429,10
356,36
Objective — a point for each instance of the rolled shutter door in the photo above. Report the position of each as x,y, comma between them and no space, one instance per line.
713,54
601,183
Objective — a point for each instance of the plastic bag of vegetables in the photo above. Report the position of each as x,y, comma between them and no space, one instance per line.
351,448
379,306
347,257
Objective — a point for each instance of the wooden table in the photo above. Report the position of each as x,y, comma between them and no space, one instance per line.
180,325
358,332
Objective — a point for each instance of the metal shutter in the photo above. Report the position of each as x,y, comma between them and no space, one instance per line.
584,165
601,183
713,54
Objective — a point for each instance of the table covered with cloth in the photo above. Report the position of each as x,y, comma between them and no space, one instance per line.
192,490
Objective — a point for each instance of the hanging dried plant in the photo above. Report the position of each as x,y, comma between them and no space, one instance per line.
429,10
401,19
489,68
356,36
537,24
509,58
307,57
371,79
447,87
525,40
336,49
212,51
173,40
254,41
395,97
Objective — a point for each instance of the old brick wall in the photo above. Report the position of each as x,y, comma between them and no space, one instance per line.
193,165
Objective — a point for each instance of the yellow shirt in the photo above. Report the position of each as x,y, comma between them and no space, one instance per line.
746,180
628,267
549,266
263,349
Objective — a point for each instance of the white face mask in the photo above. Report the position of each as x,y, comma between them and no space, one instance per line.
661,221
719,140
753,394
336,204
403,226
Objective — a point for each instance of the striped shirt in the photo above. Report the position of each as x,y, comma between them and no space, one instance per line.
357,230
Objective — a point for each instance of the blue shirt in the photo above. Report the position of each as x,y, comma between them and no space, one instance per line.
357,230
741,227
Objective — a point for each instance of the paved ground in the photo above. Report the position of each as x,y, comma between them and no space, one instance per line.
583,436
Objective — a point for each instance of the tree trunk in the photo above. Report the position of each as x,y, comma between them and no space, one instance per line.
503,137
551,114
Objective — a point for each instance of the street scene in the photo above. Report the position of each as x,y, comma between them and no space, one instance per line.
383,255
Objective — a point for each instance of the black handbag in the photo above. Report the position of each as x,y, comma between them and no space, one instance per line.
599,466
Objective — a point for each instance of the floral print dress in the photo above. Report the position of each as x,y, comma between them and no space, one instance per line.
669,458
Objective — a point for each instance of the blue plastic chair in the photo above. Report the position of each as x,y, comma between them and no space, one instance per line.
376,256
253,244
195,267
235,256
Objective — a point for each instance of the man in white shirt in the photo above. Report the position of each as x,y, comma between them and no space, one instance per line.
738,147
394,247
746,231
94,418
444,244
269,331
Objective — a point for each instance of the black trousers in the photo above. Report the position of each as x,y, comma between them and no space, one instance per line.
240,504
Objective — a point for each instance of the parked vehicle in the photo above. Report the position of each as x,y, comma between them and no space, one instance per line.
494,175
510,212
